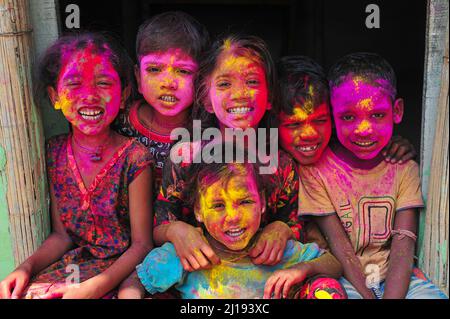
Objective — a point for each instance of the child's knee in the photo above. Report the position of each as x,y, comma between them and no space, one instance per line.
320,287
131,288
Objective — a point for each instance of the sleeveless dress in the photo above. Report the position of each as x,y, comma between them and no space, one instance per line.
96,218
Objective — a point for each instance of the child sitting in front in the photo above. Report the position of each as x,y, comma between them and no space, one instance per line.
229,200
366,207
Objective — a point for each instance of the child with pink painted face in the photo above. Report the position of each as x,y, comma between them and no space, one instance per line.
237,78
168,49
364,206
230,198
99,180
305,123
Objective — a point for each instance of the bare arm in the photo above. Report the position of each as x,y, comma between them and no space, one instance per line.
160,234
342,248
50,251
326,264
401,256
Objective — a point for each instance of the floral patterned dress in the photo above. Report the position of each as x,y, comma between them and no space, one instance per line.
128,124
96,218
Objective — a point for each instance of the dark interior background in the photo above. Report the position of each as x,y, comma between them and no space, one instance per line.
322,29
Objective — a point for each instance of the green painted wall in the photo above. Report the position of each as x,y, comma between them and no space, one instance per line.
6,252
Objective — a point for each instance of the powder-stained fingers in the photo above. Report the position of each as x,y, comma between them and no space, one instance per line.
279,256
279,288
201,259
258,249
280,252
392,151
5,290
186,265
193,262
262,258
210,254
272,260
407,157
270,284
287,287
18,289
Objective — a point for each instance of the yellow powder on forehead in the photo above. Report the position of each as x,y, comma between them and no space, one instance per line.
229,192
228,61
299,112
366,104
308,106
357,81
232,53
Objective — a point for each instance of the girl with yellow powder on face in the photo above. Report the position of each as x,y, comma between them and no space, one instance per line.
229,201
236,90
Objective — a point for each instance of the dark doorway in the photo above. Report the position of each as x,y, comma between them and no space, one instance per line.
322,29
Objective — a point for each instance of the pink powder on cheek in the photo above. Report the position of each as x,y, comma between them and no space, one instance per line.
241,72
168,80
87,68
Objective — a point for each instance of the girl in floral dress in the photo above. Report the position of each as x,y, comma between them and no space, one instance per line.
99,181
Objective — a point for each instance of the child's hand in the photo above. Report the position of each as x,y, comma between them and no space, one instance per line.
281,281
191,247
270,245
77,291
399,150
13,285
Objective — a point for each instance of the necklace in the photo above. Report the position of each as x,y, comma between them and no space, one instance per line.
94,153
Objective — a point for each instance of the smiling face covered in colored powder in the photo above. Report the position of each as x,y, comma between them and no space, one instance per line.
231,210
364,116
166,80
305,135
238,90
88,91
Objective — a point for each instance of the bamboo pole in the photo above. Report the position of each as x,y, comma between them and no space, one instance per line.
21,134
435,244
